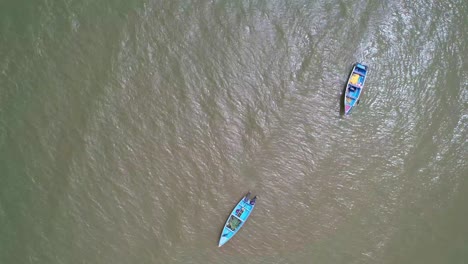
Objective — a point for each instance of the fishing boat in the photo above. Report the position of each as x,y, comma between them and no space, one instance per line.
237,218
354,86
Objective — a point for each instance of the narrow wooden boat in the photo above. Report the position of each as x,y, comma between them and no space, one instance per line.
354,86
237,218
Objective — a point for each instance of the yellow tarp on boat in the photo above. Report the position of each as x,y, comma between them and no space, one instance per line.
354,79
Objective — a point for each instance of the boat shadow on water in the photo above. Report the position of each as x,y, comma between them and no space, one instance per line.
343,93
342,97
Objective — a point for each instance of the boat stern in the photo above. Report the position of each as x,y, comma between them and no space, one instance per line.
361,66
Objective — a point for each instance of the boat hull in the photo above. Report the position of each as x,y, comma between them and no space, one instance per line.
354,86
236,220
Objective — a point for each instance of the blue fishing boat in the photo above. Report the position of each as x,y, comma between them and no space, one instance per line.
354,86
237,218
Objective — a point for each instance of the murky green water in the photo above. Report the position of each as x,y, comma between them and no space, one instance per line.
129,129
